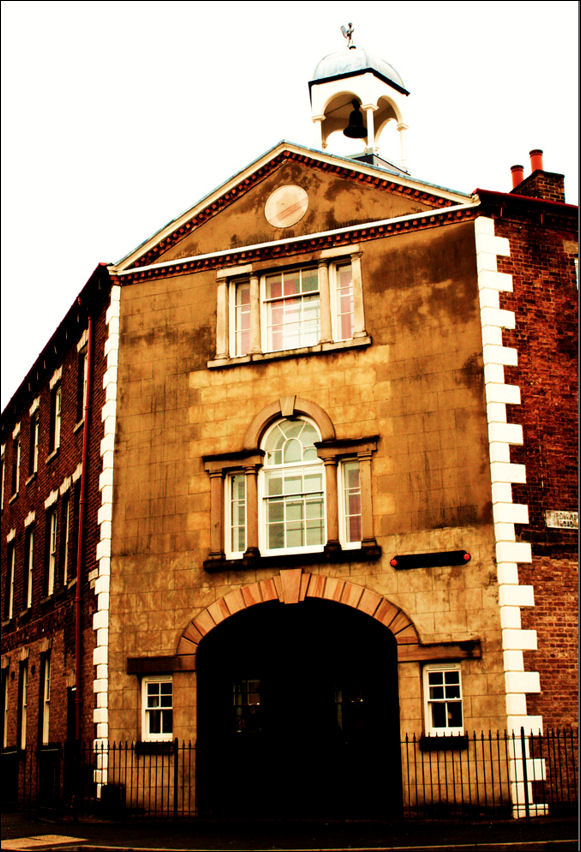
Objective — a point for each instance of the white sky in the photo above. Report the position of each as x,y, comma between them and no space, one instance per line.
118,116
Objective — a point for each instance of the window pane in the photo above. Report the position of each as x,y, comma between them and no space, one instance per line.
166,721
454,714
275,485
294,536
154,721
273,286
310,280
293,484
314,532
276,536
294,511
354,533
291,283
292,451
275,511
437,692
438,715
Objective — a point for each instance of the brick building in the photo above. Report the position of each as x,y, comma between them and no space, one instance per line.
328,485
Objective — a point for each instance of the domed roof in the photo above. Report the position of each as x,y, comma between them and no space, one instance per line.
355,60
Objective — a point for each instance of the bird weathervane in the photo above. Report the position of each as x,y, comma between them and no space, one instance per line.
348,34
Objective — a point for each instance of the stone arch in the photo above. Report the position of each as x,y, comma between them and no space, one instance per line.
289,406
292,586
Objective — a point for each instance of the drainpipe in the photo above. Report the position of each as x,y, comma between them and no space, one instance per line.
80,541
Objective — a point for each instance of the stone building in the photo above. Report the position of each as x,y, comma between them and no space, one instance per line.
331,490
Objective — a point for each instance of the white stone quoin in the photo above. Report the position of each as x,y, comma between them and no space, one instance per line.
105,516
509,552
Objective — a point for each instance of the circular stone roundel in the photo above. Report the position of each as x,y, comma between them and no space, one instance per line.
286,206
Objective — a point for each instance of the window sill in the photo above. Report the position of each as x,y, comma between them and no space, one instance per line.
8,623
319,349
47,600
441,742
31,478
78,426
367,553
24,615
52,455
13,498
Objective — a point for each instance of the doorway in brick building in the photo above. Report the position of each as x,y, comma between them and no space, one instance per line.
298,714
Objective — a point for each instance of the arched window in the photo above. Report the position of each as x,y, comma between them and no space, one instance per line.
291,489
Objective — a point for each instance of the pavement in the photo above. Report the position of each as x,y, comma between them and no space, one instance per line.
29,831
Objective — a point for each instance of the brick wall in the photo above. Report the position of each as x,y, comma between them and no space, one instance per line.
540,184
545,303
54,616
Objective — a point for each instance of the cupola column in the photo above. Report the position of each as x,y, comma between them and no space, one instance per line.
369,109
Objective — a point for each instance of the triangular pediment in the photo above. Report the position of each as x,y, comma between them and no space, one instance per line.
329,193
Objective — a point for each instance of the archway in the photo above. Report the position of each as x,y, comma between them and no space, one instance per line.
298,714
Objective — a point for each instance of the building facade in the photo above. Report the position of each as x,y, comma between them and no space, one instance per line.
329,481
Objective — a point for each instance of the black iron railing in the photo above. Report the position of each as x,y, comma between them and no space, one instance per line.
479,775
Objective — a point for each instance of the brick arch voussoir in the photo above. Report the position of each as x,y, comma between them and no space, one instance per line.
293,586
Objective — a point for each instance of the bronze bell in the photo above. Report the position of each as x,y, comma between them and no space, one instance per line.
355,129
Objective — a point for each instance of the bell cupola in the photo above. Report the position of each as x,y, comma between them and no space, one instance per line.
357,94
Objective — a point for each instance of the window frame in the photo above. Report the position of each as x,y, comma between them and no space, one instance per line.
430,728
234,285
55,417
301,298
16,461
51,549
230,552
303,467
346,543
146,734
82,381
34,443
66,536
5,697
44,695
22,705
336,301
28,566
10,579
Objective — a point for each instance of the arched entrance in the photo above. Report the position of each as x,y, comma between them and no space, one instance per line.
298,713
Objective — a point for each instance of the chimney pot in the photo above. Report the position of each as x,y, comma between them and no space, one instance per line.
518,174
536,156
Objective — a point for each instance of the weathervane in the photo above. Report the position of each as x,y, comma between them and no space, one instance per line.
348,34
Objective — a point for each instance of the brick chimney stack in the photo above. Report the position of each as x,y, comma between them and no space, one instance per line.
548,186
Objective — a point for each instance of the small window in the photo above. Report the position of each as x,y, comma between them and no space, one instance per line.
10,582
342,297
52,527
350,516
16,466
66,536
236,515
2,481
443,699
28,567
55,418
241,318
157,698
4,698
45,699
22,705
33,444
82,383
